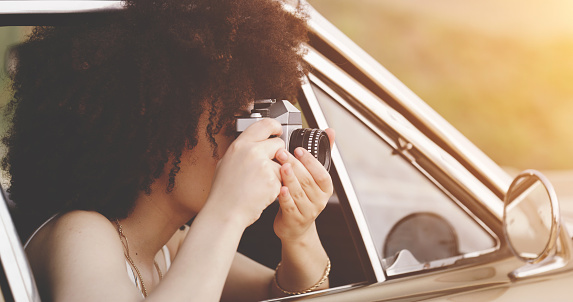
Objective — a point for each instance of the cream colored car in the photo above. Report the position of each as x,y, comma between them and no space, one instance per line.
419,213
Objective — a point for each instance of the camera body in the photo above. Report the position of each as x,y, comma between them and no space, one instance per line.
314,140
282,111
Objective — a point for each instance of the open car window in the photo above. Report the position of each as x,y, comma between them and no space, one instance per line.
414,225
415,219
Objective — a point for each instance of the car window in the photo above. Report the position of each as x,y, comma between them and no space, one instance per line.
413,223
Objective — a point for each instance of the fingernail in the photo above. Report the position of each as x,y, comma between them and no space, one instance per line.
282,155
288,169
284,191
298,152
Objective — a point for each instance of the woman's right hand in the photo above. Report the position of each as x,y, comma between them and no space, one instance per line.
247,180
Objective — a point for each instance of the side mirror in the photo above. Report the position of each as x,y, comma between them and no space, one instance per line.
531,219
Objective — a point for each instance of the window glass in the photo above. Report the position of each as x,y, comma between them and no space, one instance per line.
403,209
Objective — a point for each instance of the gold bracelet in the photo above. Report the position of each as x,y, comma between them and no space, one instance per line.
319,283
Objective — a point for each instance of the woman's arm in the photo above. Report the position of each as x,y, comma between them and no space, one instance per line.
82,257
307,186
246,181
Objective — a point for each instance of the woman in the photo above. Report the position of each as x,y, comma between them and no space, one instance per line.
123,132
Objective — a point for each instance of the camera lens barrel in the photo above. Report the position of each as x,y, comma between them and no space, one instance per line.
314,141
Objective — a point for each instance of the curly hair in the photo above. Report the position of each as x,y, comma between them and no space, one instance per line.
100,109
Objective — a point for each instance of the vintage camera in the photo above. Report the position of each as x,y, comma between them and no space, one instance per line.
314,140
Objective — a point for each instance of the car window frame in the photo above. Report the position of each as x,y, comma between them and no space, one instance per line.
13,260
480,199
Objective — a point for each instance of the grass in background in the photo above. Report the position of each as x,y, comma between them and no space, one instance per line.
503,79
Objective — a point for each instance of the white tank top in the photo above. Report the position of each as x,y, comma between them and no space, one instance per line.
133,275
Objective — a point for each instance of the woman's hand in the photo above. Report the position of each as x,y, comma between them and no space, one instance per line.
307,186
247,179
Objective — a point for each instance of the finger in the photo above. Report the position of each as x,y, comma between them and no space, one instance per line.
296,191
261,130
276,169
315,169
304,177
331,134
286,202
272,146
284,157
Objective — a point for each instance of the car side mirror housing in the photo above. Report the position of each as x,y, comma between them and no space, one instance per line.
532,225
531,219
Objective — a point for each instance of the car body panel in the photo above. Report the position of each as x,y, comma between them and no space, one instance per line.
487,282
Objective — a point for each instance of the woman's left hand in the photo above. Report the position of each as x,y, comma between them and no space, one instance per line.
307,186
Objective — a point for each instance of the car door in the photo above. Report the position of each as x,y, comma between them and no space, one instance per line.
417,209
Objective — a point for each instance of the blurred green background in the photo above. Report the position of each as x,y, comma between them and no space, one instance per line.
500,71
8,36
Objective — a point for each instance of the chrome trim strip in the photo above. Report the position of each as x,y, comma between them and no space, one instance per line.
13,259
56,7
394,120
424,114
348,188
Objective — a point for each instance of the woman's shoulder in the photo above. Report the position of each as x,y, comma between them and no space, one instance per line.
72,231
82,219
70,222
74,250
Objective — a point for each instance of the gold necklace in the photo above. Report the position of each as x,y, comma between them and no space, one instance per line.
126,253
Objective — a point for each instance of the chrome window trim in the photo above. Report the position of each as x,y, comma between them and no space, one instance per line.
408,100
14,261
347,186
409,133
56,7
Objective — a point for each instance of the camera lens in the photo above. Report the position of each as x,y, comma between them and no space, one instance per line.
315,141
